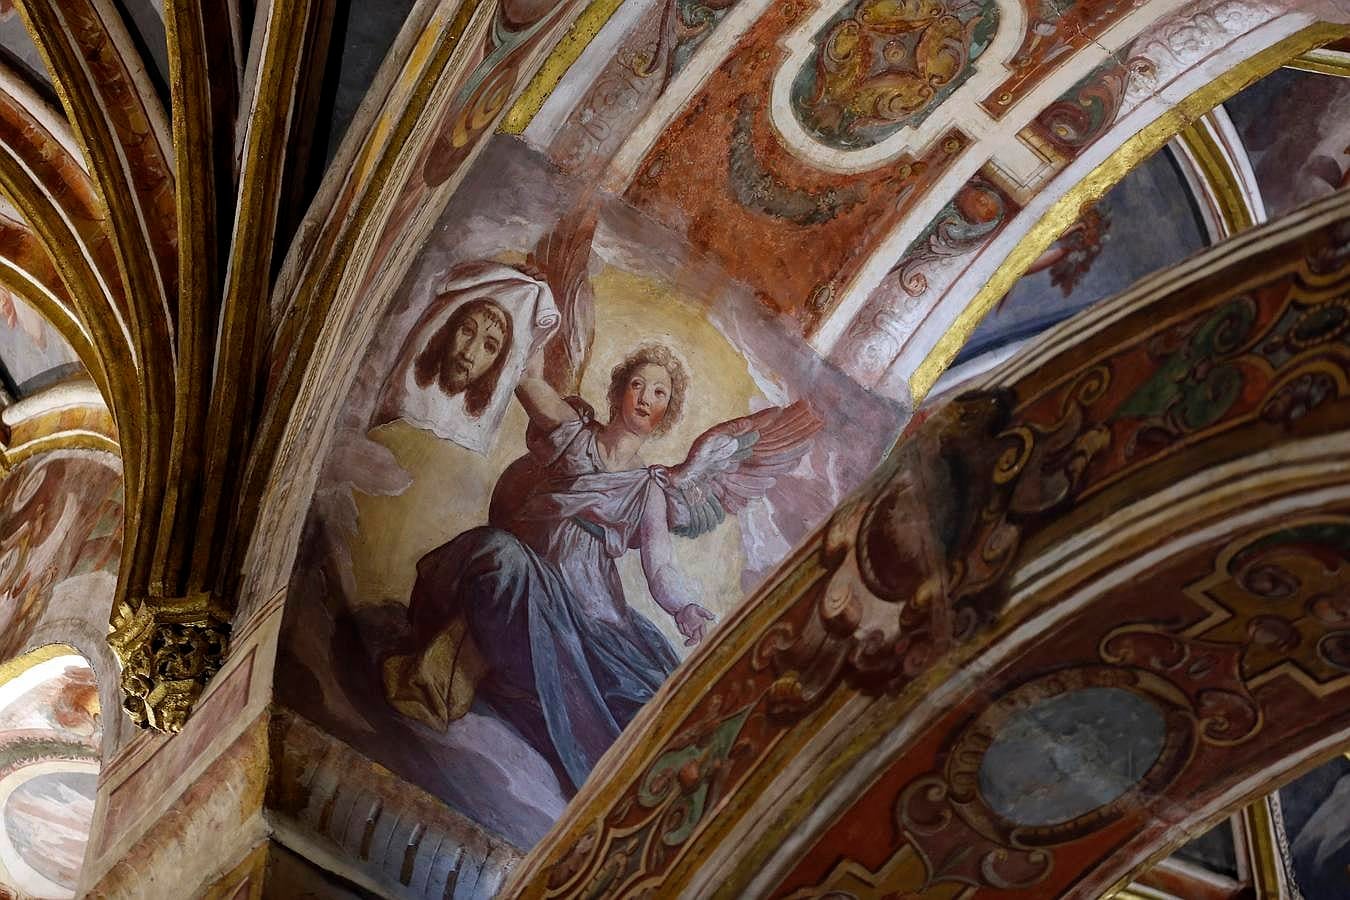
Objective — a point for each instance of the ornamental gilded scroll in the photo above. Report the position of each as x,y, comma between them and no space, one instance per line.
917,565
169,650
868,80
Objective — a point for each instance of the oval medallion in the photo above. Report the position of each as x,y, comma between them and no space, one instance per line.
1067,755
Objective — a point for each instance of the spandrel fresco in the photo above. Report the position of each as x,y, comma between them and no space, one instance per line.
571,451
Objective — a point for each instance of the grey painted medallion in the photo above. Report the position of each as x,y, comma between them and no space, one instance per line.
1068,755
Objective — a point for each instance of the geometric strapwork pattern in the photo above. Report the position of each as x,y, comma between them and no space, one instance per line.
1284,596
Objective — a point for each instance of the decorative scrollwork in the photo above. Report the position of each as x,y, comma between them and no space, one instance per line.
952,851
1207,673
168,651
880,66
1197,379
916,566
1089,108
1278,602
672,799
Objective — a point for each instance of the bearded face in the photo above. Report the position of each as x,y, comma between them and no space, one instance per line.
475,345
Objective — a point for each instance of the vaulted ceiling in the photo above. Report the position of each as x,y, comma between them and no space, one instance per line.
219,221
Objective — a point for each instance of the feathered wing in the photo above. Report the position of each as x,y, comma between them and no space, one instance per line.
562,258
735,463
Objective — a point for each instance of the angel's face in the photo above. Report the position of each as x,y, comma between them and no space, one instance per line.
475,345
645,399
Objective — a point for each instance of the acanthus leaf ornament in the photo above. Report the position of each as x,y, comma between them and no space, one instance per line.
168,651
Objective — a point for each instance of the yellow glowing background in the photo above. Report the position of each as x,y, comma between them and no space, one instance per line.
452,486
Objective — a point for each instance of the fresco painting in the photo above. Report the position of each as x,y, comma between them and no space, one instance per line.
1295,127
473,342
568,456
878,67
35,355
1143,224
60,542
1317,831
50,737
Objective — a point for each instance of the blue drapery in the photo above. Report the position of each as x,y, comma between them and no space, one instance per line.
567,681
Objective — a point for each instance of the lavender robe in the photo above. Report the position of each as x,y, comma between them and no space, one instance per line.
569,663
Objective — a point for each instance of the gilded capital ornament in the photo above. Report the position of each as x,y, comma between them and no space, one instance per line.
169,649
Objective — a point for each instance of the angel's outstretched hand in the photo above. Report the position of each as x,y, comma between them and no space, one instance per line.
692,620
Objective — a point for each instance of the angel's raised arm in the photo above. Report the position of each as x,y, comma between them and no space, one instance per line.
544,405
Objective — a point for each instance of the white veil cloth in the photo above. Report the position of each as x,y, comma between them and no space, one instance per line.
534,316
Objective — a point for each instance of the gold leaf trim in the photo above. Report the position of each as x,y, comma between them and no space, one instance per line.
567,51
1323,62
1213,166
1096,183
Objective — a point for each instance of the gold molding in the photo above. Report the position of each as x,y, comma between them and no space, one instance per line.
1213,166
13,668
1262,852
285,54
27,271
112,115
1323,62
80,426
1096,183
54,202
67,439
564,54
197,290
133,187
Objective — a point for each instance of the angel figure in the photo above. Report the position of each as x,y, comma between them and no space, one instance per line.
526,618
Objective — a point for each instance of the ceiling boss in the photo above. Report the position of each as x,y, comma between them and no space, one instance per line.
884,64
868,80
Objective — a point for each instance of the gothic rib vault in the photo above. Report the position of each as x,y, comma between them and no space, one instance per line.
258,232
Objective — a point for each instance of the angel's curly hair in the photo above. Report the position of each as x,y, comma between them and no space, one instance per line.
651,355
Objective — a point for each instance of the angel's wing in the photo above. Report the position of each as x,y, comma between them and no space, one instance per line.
736,462
561,258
